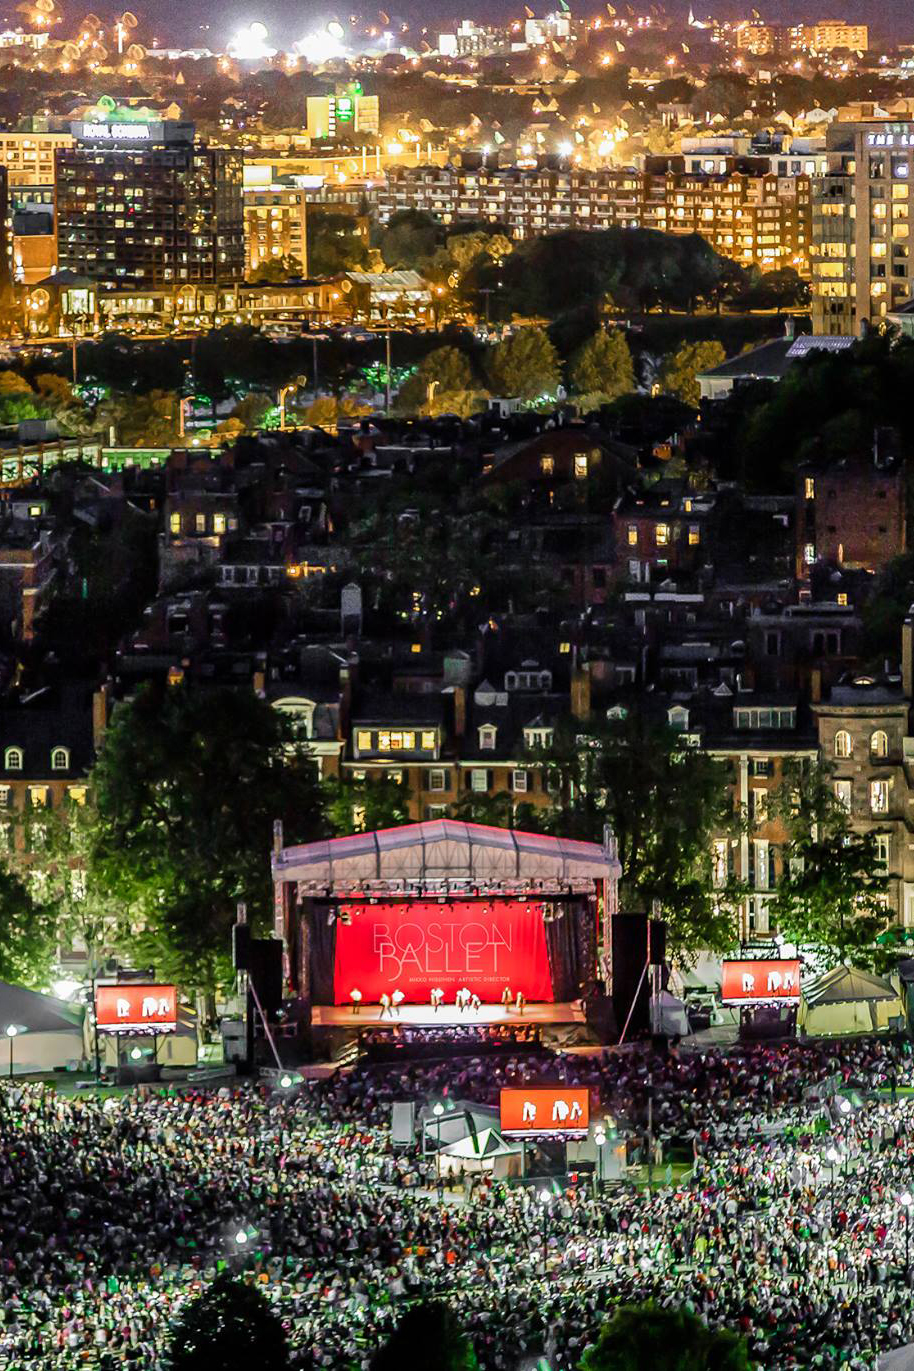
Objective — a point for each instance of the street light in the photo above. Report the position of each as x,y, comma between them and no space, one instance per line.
241,1237
11,1032
599,1138
544,1197
284,391
832,1156
438,1111
906,1199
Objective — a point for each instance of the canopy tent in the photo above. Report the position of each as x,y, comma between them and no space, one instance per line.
845,1000
490,1152
49,1031
899,1359
444,850
169,1049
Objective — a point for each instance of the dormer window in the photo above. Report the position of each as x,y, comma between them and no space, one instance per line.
487,735
538,737
13,759
60,759
678,718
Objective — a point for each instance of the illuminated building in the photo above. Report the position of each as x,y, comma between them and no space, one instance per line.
752,216
861,226
274,224
333,116
830,34
145,204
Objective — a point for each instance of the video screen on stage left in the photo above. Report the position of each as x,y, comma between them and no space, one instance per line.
420,946
135,1008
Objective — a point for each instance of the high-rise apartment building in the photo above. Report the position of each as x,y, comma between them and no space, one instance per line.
275,225
830,34
147,204
333,116
750,215
861,226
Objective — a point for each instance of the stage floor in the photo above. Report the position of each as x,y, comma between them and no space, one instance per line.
369,1015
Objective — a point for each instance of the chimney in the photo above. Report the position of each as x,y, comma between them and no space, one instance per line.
815,685
460,711
580,691
99,715
907,655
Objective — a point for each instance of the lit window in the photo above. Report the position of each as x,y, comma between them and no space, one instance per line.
547,466
519,782
174,523
842,599
77,794
363,740
694,535
429,739
13,759
662,533
843,795
38,796
218,523
843,745
809,553
580,466
633,535
879,797
810,488
200,523
60,759
879,743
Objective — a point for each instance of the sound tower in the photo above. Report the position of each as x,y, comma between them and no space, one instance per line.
631,948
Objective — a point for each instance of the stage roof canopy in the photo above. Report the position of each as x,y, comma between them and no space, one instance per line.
442,855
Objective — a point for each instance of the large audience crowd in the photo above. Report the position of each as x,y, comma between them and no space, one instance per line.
788,1224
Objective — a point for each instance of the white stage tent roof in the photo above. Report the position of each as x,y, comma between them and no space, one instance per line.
440,851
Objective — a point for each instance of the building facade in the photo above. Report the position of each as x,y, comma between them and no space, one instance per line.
861,246
147,204
753,216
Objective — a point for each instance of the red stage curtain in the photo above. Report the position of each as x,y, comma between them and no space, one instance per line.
483,945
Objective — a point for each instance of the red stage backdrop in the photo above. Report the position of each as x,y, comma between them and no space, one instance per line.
482,945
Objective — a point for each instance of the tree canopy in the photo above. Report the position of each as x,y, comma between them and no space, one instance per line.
651,1338
438,383
603,366
832,893
525,365
427,1338
230,1326
665,801
188,784
679,374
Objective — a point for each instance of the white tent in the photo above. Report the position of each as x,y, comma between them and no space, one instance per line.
483,1154
49,1032
844,1000
899,1359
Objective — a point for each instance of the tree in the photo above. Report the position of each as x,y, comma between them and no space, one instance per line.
27,943
832,893
408,239
650,1338
679,373
427,1338
603,366
362,806
525,365
188,785
443,374
335,243
230,1326
275,270
665,802
887,606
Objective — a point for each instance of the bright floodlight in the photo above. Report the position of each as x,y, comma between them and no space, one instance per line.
544,1197
241,1237
906,1198
599,1137
438,1109
11,1030
135,1054
285,1082
335,29
566,149
844,1105
250,44
832,1155
322,46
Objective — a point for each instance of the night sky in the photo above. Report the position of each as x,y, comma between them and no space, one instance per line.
286,23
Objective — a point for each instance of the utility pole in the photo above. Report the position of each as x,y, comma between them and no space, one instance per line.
387,374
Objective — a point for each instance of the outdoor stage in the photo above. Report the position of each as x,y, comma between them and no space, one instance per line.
416,1015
